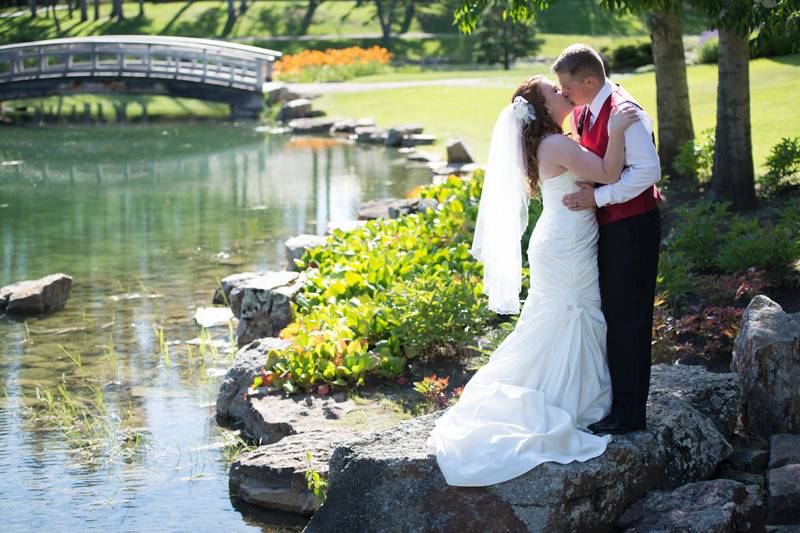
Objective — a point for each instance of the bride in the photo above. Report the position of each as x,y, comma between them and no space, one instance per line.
548,380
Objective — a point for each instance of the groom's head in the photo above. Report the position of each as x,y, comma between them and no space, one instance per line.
580,73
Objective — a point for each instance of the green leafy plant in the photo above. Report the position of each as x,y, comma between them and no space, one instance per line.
433,388
783,163
314,481
696,157
708,52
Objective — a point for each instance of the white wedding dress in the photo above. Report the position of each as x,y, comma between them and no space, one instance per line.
549,378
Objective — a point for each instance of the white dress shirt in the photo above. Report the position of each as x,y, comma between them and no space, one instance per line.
642,167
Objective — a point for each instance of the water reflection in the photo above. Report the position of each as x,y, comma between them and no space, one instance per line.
146,219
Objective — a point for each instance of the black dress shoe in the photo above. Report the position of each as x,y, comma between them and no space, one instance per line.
609,425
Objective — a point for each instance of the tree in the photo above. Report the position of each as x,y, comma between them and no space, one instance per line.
501,40
733,175
32,7
388,12
672,90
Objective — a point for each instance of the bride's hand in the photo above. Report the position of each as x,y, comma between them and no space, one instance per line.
620,119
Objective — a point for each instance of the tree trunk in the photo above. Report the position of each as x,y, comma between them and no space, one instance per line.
733,177
96,9
385,16
672,90
231,13
311,8
141,8
116,10
32,6
243,6
408,18
84,11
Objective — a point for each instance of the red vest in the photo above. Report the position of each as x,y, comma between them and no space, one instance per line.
596,140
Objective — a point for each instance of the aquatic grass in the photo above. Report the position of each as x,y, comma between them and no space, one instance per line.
163,347
28,338
76,358
225,299
234,445
111,354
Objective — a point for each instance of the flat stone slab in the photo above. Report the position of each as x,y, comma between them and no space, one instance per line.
32,297
273,475
393,207
715,505
311,125
388,481
784,449
209,317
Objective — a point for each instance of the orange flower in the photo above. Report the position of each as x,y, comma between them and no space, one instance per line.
332,57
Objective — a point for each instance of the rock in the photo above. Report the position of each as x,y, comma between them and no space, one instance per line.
766,355
417,140
209,317
394,208
311,125
783,495
718,505
296,246
784,529
749,460
273,476
387,480
748,478
369,135
454,168
228,283
458,153
36,296
419,205
395,136
716,395
278,92
784,449
230,402
423,157
297,108
344,225
259,280
263,304
272,416
349,125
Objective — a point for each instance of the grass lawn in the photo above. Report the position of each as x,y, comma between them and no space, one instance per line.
470,112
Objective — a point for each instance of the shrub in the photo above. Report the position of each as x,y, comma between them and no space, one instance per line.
696,157
699,233
674,281
628,56
783,163
748,244
776,41
708,52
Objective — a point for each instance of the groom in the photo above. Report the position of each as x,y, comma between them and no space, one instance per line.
629,223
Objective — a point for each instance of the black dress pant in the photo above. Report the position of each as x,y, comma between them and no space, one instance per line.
627,257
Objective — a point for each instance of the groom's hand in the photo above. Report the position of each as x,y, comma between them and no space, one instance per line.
583,199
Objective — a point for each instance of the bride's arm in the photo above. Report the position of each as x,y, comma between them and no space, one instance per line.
586,164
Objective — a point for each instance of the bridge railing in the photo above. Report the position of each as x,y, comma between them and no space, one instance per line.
175,58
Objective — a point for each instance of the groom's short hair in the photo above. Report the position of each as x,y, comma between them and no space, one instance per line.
580,60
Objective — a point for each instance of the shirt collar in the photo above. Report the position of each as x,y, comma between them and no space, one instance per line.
600,97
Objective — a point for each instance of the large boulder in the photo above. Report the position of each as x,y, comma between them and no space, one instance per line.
263,304
395,135
784,449
231,404
228,283
783,495
718,505
387,481
37,296
767,357
298,108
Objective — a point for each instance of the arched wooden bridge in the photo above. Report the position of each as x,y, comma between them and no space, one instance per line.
207,69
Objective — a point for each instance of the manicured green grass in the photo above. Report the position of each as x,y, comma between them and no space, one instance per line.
161,106
470,112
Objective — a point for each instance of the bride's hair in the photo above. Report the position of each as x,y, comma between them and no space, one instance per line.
534,131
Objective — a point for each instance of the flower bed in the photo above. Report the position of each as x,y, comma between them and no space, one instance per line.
334,64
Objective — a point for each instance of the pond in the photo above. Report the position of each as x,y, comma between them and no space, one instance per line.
146,219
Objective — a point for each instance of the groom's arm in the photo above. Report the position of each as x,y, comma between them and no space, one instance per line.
643,168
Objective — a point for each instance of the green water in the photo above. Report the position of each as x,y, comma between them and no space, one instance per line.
146,219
